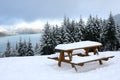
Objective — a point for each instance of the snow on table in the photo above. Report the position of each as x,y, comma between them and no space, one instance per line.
78,59
81,51
77,45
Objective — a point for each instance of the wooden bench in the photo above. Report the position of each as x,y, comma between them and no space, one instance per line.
80,61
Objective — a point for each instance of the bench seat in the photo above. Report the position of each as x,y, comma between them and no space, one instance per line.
77,60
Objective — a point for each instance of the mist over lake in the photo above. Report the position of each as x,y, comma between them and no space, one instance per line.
35,38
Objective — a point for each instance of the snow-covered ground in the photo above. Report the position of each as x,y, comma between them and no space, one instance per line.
42,68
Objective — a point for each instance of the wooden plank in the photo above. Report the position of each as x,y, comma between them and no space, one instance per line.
55,58
93,60
100,61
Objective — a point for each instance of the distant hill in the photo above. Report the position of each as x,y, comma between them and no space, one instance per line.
3,34
117,19
27,31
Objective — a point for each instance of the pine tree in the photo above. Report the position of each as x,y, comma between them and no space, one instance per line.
71,31
80,30
8,50
36,49
110,38
97,29
102,37
63,36
92,29
28,50
21,50
65,30
118,35
16,50
24,48
56,34
13,52
46,41
89,35
16,47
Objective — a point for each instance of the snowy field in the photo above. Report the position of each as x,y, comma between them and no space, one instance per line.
42,68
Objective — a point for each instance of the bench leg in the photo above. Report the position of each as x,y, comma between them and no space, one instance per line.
73,66
70,55
100,62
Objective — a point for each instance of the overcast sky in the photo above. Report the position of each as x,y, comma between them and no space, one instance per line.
15,11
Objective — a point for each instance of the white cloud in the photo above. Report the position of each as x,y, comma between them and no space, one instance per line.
35,26
2,29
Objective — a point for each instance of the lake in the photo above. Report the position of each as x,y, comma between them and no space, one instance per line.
35,38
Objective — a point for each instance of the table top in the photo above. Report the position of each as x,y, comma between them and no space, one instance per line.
77,45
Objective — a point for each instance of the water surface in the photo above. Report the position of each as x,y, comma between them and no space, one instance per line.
35,38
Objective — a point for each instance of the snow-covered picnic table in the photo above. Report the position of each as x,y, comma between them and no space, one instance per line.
77,48
69,48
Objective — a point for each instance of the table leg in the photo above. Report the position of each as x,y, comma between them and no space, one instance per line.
70,55
61,58
87,51
95,51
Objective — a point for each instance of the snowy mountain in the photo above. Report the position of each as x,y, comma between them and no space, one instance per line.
3,32
42,68
7,31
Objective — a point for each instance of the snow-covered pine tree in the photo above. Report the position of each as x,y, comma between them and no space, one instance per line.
63,35
24,48
118,35
102,37
92,29
13,52
36,49
97,29
46,41
28,49
56,34
8,50
72,32
80,30
89,35
16,47
16,50
110,33
65,30
21,48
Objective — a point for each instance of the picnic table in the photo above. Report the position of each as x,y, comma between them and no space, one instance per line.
82,45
